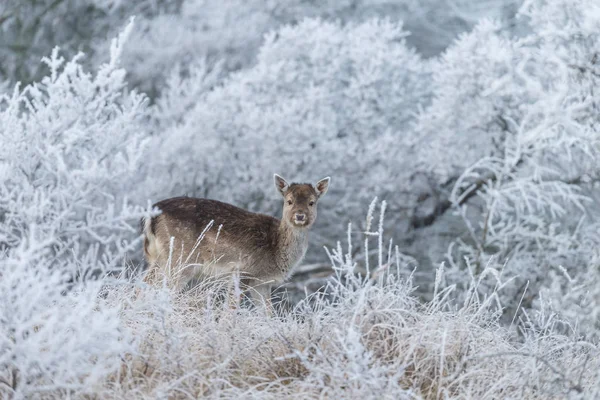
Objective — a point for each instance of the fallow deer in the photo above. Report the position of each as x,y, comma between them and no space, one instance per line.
194,237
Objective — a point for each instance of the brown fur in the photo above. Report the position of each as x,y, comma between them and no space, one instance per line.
201,237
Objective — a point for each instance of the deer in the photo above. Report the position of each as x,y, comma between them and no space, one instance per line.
199,237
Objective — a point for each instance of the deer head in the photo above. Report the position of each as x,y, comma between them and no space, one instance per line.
300,201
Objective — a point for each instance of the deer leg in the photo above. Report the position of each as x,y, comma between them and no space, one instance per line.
184,275
261,297
152,274
149,277
234,291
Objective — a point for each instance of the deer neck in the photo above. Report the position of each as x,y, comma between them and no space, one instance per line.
291,246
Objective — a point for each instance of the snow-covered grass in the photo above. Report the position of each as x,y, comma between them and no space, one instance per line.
363,336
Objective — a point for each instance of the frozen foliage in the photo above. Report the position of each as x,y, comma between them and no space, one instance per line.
70,146
29,29
181,32
527,117
53,343
181,94
233,31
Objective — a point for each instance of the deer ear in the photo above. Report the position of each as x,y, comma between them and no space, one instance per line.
281,184
322,186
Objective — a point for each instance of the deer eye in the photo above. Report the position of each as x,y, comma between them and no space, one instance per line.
289,202
312,203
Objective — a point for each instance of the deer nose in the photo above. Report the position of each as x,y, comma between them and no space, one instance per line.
299,217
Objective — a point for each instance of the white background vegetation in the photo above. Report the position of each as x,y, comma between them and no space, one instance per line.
476,274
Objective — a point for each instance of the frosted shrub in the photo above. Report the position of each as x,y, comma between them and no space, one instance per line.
573,301
435,24
56,340
206,30
181,94
232,32
526,115
317,88
462,115
31,28
71,145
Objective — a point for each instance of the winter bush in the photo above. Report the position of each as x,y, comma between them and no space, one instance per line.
29,29
230,33
56,341
70,148
523,118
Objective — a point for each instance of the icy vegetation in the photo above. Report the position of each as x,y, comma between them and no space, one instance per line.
476,275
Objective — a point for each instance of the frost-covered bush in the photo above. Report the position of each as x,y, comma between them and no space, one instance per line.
205,31
231,32
522,113
212,31
30,29
71,146
182,32
56,340
464,116
180,94
322,99
574,302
